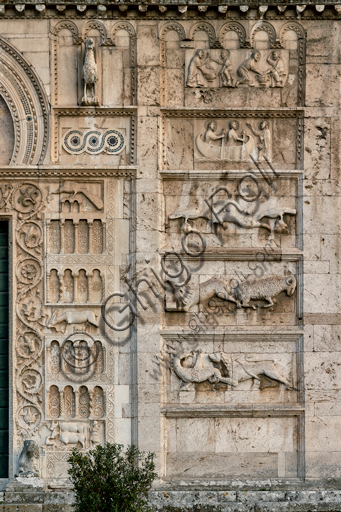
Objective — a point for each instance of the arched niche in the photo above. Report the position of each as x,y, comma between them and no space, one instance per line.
24,98
262,40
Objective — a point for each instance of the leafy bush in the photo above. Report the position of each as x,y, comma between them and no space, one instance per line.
108,480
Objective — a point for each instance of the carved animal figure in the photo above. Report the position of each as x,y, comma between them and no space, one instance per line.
90,75
72,433
197,367
235,214
71,188
72,317
264,288
187,296
29,459
194,367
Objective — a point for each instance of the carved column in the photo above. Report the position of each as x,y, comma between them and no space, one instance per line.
75,285
89,279
61,288
61,403
48,273
76,392
91,402
90,226
104,244
76,233
62,244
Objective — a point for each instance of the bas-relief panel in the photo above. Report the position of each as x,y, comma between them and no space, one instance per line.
81,138
64,364
271,218
232,64
232,140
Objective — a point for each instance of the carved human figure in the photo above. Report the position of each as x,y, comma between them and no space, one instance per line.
277,70
94,435
199,70
232,136
249,66
90,74
225,73
210,134
264,145
29,459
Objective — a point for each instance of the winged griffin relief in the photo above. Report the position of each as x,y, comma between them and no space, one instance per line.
195,367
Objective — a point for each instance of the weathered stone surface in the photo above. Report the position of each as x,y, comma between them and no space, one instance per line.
184,162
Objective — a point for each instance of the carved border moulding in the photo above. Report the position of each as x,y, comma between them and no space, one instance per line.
55,172
105,144
231,113
26,99
28,200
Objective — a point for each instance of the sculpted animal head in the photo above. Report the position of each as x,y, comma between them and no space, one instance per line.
89,44
291,284
182,295
32,449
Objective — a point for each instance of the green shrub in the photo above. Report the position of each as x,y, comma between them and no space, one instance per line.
108,480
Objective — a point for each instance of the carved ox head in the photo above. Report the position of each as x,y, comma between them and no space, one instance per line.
291,284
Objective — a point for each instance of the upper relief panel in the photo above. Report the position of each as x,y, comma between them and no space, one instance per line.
93,64
232,64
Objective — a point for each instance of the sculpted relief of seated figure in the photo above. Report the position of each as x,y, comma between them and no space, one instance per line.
195,367
220,68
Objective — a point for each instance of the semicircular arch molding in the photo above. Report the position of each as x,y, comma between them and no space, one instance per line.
67,25
291,25
205,27
233,26
95,25
263,26
122,25
172,26
27,102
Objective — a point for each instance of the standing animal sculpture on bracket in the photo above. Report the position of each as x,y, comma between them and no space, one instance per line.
263,288
195,367
90,74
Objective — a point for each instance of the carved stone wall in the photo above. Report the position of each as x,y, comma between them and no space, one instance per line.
171,179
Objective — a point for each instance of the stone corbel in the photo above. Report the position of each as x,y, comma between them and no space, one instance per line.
262,10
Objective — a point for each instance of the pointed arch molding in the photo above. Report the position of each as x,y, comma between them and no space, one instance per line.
26,99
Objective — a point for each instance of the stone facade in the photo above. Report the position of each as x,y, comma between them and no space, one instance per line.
170,175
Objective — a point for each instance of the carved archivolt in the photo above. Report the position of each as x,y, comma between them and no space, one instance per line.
291,25
25,97
96,25
233,26
263,26
175,27
205,27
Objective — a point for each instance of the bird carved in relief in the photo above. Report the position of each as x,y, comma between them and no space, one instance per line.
90,74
